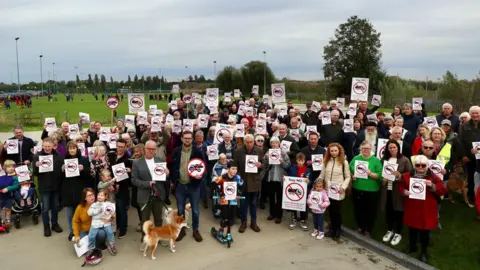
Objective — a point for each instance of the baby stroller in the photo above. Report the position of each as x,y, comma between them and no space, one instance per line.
27,210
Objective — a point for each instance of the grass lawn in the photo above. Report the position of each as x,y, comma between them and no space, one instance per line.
456,246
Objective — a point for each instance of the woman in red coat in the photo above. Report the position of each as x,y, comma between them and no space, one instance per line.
421,216
422,135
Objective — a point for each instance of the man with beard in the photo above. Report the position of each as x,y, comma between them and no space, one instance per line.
371,135
332,133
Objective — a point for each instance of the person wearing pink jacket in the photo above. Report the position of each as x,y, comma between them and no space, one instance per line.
318,202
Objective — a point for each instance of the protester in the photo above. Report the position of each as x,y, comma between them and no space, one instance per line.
423,133
25,146
299,169
137,153
318,207
448,114
332,133
284,136
313,148
464,117
410,120
227,147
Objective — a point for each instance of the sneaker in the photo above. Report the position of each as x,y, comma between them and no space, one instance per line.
314,233
396,239
111,248
56,228
293,225
303,225
319,236
388,236
70,237
122,234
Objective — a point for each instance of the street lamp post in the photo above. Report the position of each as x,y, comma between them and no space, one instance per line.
41,72
264,72
18,68
215,73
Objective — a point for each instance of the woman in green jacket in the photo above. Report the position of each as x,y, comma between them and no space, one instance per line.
365,191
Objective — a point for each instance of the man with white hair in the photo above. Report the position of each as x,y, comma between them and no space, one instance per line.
470,132
448,114
334,106
397,135
370,135
284,136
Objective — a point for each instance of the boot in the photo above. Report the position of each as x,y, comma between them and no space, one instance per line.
181,235
329,233
46,230
254,226
243,227
56,228
167,201
337,234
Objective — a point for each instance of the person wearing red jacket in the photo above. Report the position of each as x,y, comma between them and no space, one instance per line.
421,216
477,203
422,135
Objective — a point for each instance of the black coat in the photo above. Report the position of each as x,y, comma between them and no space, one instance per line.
308,151
27,146
49,181
123,190
72,188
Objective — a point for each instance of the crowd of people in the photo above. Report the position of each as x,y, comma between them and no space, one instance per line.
411,145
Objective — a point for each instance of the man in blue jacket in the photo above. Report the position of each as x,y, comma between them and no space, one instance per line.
410,120
185,185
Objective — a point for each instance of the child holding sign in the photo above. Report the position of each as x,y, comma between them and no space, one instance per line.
318,202
8,184
300,170
102,213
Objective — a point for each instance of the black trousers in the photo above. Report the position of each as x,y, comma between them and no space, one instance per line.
275,198
394,218
365,205
335,213
413,235
471,183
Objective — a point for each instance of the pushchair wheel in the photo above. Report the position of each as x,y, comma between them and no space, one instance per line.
35,218
16,222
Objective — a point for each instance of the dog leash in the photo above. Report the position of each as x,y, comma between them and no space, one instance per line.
155,194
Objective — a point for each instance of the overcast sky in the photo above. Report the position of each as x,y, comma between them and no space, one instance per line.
119,37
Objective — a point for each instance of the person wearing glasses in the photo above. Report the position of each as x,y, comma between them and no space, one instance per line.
421,216
365,191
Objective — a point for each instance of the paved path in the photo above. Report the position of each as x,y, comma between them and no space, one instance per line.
275,247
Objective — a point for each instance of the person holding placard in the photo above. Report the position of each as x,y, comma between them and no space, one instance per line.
370,134
411,121
421,216
71,190
365,191
25,145
391,200
467,134
8,185
337,177
273,181
318,202
332,133
334,107
284,136
423,133
227,147
300,169
396,134
313,148
49,184
363,108
443,149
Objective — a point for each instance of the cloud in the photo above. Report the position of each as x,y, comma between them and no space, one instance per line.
119,37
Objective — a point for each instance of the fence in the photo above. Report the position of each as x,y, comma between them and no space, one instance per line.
30,118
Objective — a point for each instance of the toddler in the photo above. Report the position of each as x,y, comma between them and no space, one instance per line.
109,183
25,193
318,202
8,184
102,213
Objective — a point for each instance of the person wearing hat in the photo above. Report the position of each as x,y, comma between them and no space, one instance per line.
310,118
225,115
370,134
446,126
132,133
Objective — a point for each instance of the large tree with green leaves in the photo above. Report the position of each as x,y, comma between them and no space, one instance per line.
354,51
253,74
228,79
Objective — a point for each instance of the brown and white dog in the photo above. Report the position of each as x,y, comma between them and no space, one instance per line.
168,232
457,183
169,214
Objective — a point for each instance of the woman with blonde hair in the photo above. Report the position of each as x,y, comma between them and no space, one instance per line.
100,160
422,135
336,175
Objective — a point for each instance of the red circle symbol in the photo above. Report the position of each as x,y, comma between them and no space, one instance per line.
196,167
212,96
278,91
46,163
359,88
187,99
317,161
120,171
361,169
136,102
159,170
112,103
417,187
334,189
12,145
230,190
221,133
23,173
274,155
294,192
71,166
251,163
315,199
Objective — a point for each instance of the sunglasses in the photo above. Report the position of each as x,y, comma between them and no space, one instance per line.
420,165
260,140
428,147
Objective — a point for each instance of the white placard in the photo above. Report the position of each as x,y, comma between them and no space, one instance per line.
37,149
221,130
317,162
340,103
381,144
73,131
249,111
188,124
136,103
311,129
417,104
12,146
120,172
158,172
46,164
104,131
261,127
417,189
262,116
255,89
282,109
130,120
334,191
274,156
156,124
278,92
169,119
376,100
303,126
352,109
112,140
361,169
81,148
173,105
82,246
2,172
372,118
227,99
476,145
431,122
241,110
326,118
316,106
152,108
50,124
230,190
211,96
90,151
213,109
156,113
142,118
239,131
285,146
348,125
251,164
295,133
212,152
203,120
294,194
388,169
84,117
436,166
71,167
359,89
175,88
236,93
23,173
177,126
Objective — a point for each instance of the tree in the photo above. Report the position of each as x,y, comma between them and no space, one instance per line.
190,78
149,82
129,81
458,92
353,52
195,78
201,79
112,82
90,82
77,80
97,81
135,82
103,83
229,78
253,74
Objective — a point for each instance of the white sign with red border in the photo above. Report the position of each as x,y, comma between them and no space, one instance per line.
12,146
294,194
120,172
23,173
251,163
388,169
230,190
211,96
274,156
50,124
196,167
136,103
359,89
71,167
278,93
46,164
317,162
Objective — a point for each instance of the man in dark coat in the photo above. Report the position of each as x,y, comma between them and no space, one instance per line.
25,146
448,114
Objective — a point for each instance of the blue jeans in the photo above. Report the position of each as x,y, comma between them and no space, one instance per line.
318,222
94,232
49,201
69,212
182,192
249,202
101,237
122,213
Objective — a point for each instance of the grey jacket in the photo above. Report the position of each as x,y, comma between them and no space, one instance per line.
141,178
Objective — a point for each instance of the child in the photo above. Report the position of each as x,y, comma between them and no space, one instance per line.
102,213
227,209
108,183
25,193
8,184
300,170
318,202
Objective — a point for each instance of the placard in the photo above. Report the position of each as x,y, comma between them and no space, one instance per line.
251,163
388,170
241,110
230,190
175,88
236,93
104,131
334,191
278,92
46,164
221,130
203,120
173,105
311,129
73,131
188,124
156,124
120,172
152,108
294,195
158,172
282,110
239,131
361,169
417,189
12,146
177,126
84,117
71,167
255,89
112,140
196,167
431,122
274,156
91,152
317,162
82,246
340,103
348,126
359,89
261,127
436,166
50,124
211,96
352,109
285,145
130,120
136,103
417,104
372,118
326,118
142,118
303,126
381,144
23,174
249,111
476,145
169,119
212,152
376,100
316,106
262,116
81,148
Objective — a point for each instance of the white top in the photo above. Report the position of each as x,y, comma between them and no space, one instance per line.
390,183
150,164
